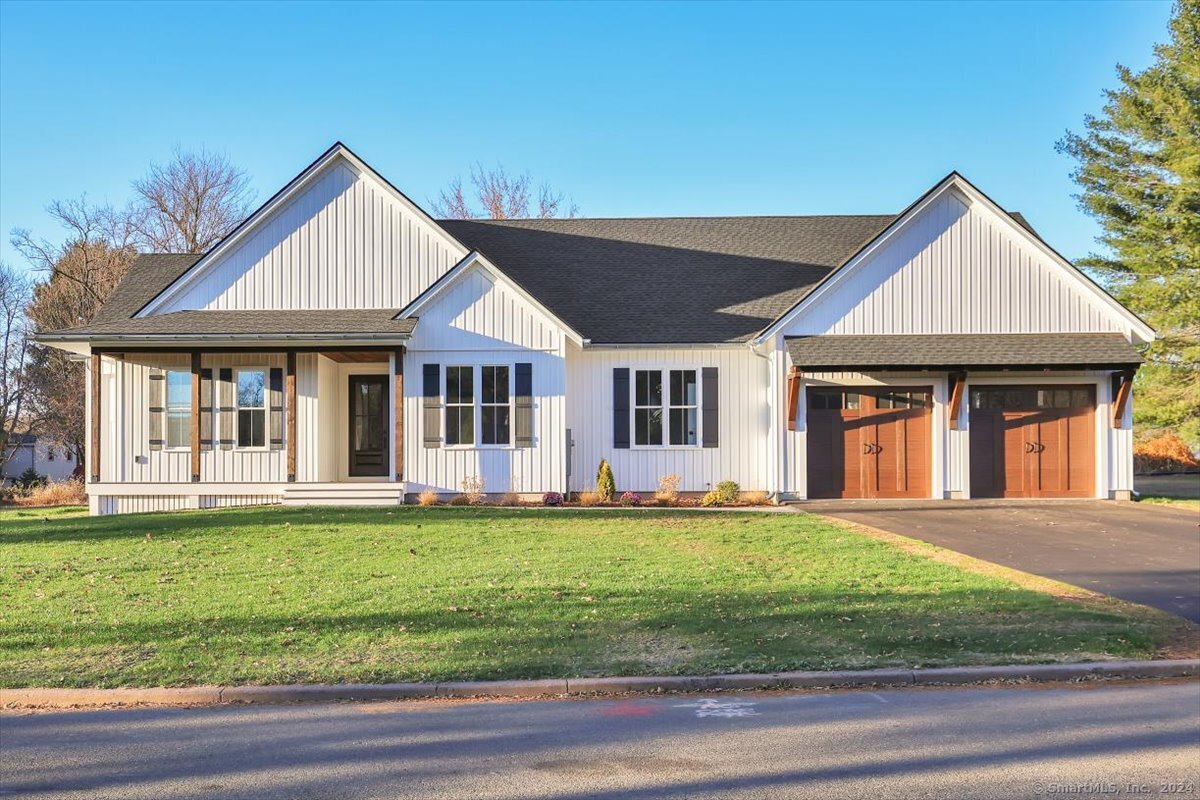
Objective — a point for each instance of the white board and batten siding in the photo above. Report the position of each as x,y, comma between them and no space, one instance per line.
479,321
957,269
345,241
744,440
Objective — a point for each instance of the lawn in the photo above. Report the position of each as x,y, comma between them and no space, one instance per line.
335,595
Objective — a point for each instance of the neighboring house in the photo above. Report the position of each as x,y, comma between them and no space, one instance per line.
49,460
342,346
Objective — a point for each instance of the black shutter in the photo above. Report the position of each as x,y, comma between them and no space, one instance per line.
206,409
158,394
523,423
275,408
709,412
228,412
621,408
431,405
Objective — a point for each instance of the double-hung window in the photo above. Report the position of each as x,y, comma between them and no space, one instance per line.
495,411
251,408
673,415
478,405
179,408
460,405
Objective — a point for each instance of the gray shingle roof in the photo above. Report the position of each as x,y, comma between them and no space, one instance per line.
961,350
180,324
672,280
645,281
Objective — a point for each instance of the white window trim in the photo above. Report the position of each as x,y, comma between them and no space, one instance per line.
266,407
666,407
477,404
167,447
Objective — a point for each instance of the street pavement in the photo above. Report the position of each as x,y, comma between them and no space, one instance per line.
1090,740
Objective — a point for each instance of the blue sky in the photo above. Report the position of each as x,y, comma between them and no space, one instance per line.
663,109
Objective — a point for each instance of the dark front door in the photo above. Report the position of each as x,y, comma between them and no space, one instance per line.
368,425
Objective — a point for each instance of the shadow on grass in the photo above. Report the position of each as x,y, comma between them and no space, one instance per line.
652,631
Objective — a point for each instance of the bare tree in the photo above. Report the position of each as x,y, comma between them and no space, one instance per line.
14,347
189,204
81,273
500,195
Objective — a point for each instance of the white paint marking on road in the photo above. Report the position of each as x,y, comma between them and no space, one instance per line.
877,697
716,708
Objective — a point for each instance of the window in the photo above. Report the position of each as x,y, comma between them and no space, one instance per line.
251,408
495,411
460,405
673,415
647,407
684,410
179,408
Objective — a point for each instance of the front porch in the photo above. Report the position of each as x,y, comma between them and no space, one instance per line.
174,428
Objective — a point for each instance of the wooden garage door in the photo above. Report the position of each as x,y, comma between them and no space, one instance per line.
869,442
1033,441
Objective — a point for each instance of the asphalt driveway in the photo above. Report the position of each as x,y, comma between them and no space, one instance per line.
1147,554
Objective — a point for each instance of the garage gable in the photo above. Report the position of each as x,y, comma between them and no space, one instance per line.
957,263
337,236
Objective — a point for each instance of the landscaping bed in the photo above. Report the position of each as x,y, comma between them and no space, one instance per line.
279,595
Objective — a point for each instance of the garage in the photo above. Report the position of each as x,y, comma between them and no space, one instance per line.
869,442
1033,441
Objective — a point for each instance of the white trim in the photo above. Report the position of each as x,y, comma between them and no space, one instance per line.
477,259
960,187
289,192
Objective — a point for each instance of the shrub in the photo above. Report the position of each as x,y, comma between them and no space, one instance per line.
29,479
461,500
668,489
589,499
606,485
631,499
552,499
712,499
1166,453
57,493
427,498
472,489
510,499
729,491
756,498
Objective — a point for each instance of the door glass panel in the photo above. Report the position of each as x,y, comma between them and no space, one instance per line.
852,400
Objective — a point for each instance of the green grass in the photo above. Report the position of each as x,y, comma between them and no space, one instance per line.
334,595
1165,500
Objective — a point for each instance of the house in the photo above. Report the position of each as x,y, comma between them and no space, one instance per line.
341,346
51,461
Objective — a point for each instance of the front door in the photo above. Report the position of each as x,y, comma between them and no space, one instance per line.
869,442
368,425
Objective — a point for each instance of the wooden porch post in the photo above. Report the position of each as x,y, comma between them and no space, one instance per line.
94,442
398,412
290,388
195,416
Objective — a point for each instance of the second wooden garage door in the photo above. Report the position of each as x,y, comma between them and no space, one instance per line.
1033,441
869,442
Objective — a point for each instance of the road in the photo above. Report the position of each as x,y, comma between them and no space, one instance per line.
971,742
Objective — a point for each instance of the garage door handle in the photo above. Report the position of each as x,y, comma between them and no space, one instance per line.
1040,447
1029,447
867,449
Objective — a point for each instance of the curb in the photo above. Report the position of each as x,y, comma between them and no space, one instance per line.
560,687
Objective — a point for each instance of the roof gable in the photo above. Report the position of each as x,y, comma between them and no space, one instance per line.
954,261
337,236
